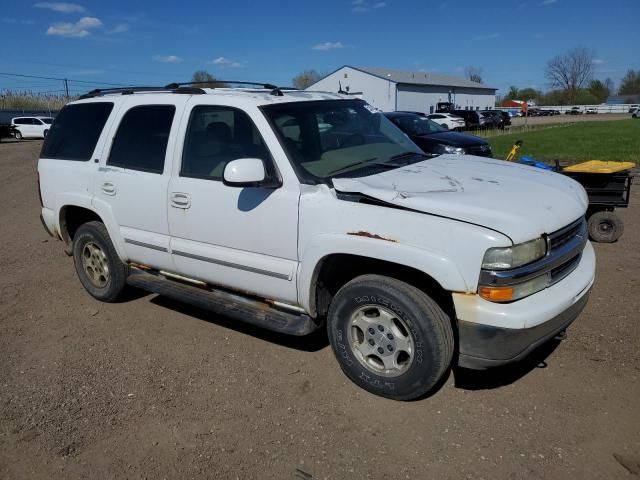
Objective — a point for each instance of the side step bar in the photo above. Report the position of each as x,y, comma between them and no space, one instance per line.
245,309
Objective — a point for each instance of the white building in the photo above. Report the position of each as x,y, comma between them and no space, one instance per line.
392,90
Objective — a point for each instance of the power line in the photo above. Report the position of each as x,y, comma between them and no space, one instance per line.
62,79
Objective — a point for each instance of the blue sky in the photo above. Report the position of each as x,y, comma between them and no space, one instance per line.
154,42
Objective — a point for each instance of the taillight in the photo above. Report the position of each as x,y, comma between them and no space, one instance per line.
40,191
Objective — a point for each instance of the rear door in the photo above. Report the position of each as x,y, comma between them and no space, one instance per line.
132,179
241,238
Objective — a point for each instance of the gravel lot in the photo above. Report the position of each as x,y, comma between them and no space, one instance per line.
149,388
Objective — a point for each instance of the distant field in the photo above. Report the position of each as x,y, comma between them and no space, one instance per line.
618,141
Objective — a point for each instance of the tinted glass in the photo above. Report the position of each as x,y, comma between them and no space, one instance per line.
415,125
48,121
74,134
36,121
324,139
141,140
217,135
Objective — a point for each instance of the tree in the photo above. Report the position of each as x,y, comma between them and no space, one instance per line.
571,71
306,79
630,84
599,91
513,93
209,80
473,73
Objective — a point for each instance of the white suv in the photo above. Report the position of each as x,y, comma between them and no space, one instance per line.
31,127
294,210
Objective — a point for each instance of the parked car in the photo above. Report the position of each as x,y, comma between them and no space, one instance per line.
574,111
435,139
501,119
471,118
296,210
636,113
489,120
31,127
7,131
591,110
633,108
447,120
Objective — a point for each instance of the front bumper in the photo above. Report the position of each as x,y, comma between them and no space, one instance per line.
485,346
492,334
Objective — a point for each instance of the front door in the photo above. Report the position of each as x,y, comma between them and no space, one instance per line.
241,238
132,182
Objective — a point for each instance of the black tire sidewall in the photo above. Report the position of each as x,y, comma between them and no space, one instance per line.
18,136
430,359
95,232
599,217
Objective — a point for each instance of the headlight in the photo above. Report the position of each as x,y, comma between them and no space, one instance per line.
504,258
450,149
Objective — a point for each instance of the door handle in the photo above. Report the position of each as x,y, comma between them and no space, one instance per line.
180,200
108,188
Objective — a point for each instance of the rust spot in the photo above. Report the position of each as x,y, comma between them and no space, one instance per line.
362,233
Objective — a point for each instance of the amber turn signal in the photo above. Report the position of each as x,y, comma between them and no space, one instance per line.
497,294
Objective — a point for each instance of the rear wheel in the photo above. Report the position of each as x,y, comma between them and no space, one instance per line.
18,135
389,337
98,266
605,227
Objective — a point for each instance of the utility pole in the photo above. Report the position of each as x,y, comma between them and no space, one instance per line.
66,88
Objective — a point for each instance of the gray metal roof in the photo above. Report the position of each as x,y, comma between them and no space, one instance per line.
421,78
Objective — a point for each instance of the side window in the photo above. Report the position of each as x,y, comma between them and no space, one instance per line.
215,136
36,121
74,134
141,140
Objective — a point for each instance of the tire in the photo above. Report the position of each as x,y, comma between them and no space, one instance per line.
98,266
18,135
408,330
44,134
605,227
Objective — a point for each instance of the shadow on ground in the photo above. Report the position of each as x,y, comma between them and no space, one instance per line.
501,376
309,343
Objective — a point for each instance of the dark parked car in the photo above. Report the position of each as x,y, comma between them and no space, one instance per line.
7,131
506,118
489,120
471,118
432,138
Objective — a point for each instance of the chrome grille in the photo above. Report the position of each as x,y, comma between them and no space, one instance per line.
561,237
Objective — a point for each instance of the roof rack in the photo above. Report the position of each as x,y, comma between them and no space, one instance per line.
131,90
186,88
275,90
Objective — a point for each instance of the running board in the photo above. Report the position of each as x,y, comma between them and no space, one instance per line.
245,309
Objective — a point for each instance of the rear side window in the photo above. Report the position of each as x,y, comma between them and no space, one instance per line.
141,140
74,134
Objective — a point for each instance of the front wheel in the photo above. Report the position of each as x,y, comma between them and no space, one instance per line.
389,337
98,266
18,135
605,227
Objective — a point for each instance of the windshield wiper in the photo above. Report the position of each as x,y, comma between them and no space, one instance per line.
410,154
346,167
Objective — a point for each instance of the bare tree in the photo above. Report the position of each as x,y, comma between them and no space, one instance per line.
473,73
306,79
571,71
206,80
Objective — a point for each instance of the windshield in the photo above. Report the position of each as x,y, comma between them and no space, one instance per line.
331,138
415,125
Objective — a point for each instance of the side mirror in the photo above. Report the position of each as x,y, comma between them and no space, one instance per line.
247,172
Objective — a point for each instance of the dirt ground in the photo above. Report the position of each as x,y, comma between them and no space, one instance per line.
518,121
149,388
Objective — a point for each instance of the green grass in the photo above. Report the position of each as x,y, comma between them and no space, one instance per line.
618,141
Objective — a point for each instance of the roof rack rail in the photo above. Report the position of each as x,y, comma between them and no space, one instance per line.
131,90
275,90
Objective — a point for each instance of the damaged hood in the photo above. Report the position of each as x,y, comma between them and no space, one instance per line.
519,201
